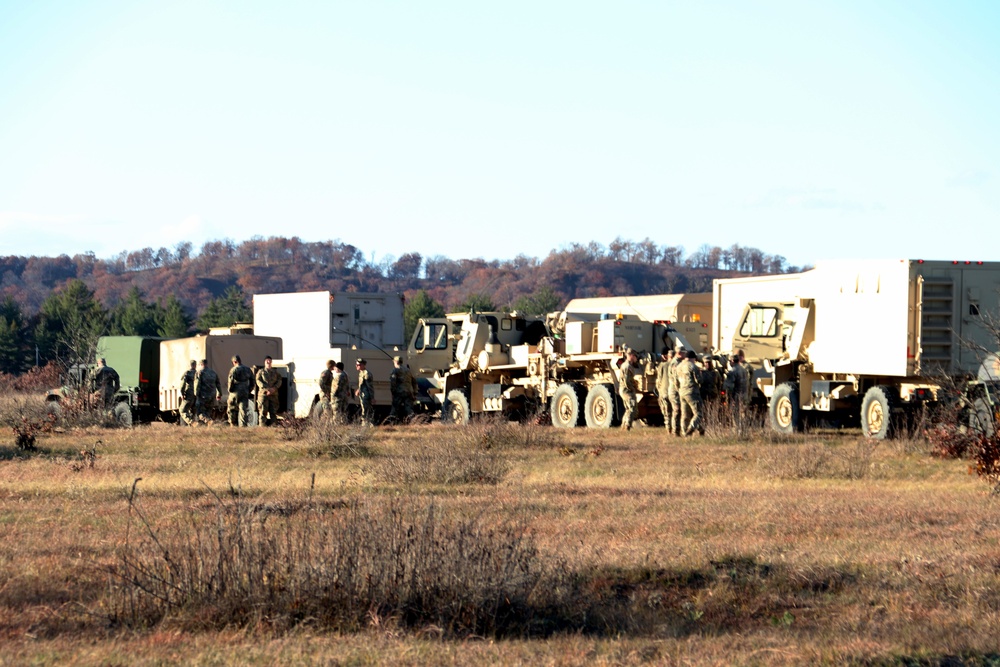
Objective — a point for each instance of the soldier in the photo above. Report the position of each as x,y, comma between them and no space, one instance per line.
268,383
207,390
106,382
627,387
688,380
711,382
365,392
340,393
187,394
663,384
672,396
325,387
403,387
240,378
736,387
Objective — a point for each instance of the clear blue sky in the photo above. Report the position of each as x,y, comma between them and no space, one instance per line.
812,130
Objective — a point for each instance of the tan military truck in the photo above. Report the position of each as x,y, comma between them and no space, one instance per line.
471,363
217,348
869,339
343,326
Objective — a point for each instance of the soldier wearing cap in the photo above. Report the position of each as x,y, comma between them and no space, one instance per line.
688,381
187,406
403,386
106,382
340,393
268,382
207,389
627,387
326,387
672,396
663,384
240,378
365,392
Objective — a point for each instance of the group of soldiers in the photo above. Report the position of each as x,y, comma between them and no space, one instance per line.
684,384
335,391
201,389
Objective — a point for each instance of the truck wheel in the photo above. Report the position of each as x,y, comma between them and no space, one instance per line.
876,413
566,406
784,408
122,415
982,418
456,408
601,410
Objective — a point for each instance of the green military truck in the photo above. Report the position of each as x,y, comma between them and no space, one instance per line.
136,359
150,369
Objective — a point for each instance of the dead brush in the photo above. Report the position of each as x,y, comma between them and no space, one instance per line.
27,417
818,461
325,438
401,564
476,454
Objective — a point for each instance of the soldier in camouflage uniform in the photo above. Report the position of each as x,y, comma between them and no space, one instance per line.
106,382
340,393
403,386
627,388
663,384
711,382
240,378
207,389
365,392
672,396
187,394
325,387
737,387
268,383
687,377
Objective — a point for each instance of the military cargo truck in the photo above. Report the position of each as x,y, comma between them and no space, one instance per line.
217,349
343,326
868,339
495,362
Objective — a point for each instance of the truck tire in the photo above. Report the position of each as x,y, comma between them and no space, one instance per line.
983,418
784,410
567,406
877,421
122,414
456,408
601,410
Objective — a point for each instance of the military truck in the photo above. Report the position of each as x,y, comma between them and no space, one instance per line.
867,340
217,348
150,369
320,326
495,362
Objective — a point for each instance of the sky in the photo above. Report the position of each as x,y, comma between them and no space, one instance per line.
851,129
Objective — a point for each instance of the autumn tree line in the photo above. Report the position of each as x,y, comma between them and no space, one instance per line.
47,304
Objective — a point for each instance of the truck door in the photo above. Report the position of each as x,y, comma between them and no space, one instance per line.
431,346
760,334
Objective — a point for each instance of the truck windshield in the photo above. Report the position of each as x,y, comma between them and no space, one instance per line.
432,337
760,322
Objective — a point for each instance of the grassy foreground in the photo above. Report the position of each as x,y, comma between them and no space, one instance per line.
637,548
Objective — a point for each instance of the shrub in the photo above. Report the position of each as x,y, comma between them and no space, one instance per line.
474,454
337,567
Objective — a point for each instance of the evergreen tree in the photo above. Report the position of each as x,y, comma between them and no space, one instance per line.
541,302
173,322
134,317
70,322
226,310
478,302
421,305
15,343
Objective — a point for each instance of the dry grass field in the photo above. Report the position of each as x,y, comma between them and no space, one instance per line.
493,544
